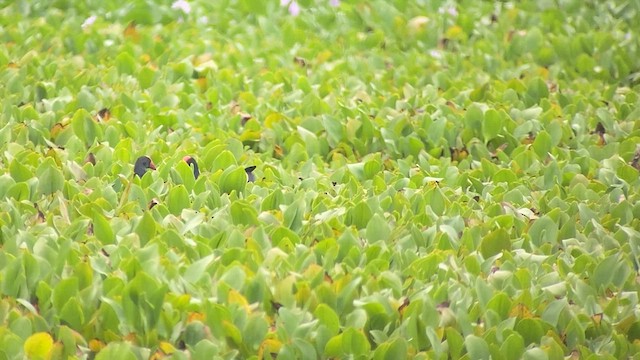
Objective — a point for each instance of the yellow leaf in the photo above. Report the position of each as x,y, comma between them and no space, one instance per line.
195,316
96,345
454,32
522,311
131,32
597,318
303,294
167,348
272,119
236,298
157,356
202,84
145,58
269,346
323,56
38,345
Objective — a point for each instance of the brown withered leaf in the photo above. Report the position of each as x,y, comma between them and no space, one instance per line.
131,32
404,305
328,278
300,61
278,152
276,305
244,118
635,162
90,158
153,203
104,114
40,218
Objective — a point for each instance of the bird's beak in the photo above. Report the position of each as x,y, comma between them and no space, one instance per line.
152,166
186,158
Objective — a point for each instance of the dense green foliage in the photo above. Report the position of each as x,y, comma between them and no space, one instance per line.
435,179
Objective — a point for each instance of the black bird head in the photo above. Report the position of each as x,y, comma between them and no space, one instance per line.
250,176
143,163
191,161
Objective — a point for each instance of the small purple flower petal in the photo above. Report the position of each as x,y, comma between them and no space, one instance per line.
284,2
89,21
181,5
451,10
294,8
334,3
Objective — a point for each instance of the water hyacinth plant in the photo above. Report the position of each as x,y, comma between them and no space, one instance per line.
312,179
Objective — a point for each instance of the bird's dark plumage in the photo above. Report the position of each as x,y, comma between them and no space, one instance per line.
250,176
191,161
143,163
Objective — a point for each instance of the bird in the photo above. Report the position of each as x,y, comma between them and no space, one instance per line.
143,163
250,176
196,170
191,161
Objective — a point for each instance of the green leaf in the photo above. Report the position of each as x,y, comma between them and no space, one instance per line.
501,304
359,215
19,192
294,214
512,347
183,175
272,201
243,213
335,129
125,63
178,199
196,270
531,330
142,301
372,168
477,347
378,229
328,318
352,342
393,350
224,161
455,341
14,277
232,332
19,172
492,125
495,242
64,290
474,118
284,238
233,179
50,178
116,350
255,331
84,127
628,173
505,175
536,90
542,144
605,272
72,313
543,230
334,347
205,350
146,228
102,229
